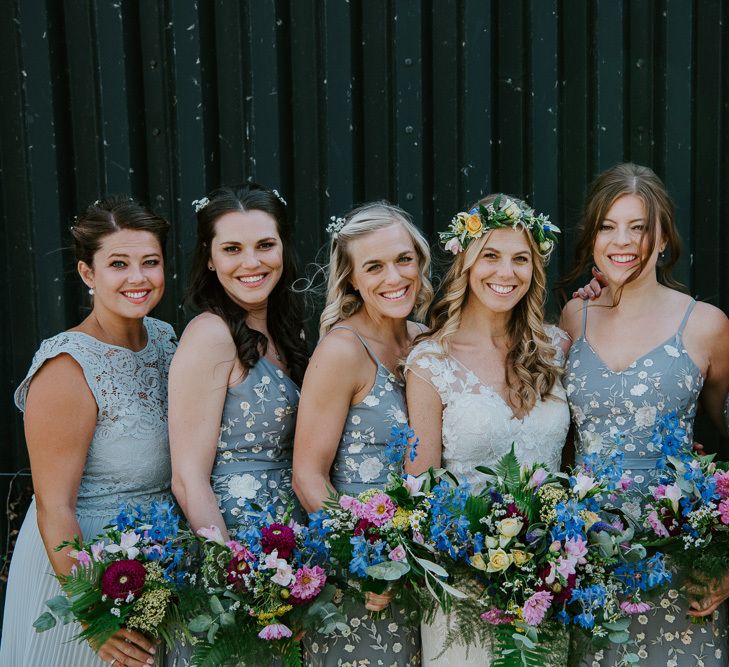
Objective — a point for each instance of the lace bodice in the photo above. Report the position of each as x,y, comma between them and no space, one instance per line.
129,456
478,425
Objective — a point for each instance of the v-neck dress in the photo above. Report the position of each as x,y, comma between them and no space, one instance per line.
361,464
616,411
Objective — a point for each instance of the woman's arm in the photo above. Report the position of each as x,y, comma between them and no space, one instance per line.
199,377
425,415
60,420
338,372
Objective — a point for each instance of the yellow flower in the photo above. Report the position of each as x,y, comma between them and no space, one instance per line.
520,557
510,527
459,224
401,520
474,225
511,209
590,518
478,562
498,560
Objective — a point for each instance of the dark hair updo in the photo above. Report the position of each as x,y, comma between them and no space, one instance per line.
112,214
284,312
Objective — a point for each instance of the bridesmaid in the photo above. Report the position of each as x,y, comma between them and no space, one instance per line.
378,275
95,403
234,381
672,353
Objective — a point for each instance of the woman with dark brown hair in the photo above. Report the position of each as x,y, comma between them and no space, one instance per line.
642,349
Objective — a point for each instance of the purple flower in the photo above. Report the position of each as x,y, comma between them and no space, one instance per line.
497,617
635,607
275,631
398,553
536,607
309,582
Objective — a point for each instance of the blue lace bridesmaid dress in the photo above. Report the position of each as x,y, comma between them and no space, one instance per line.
361,464
255,449
128,462
617,411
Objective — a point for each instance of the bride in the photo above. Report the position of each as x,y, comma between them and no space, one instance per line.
488,373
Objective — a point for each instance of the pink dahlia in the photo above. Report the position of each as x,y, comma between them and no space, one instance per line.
635,607
278,537
275,631
379,509
123,577
497,617
722,484
724,511
536,607
308,584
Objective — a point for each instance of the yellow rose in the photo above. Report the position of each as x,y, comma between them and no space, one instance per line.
498,560
478,562
510,527
474,226
590,518
520,557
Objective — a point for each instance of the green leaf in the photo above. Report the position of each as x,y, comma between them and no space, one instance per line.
60,606
620,625
200,623
619,637
436,569
389,570
216,606
226,618
212,630
44,622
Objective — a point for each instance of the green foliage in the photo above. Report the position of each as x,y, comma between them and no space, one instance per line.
521,647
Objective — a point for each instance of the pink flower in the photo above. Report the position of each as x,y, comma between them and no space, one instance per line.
674,494
724,510
496,616
635,607
453,245
418,538
211,534
657,525
351,504
576,548
398,553
309,582
722,484
659,491
275,631
97,551
536,607
83,558
413,485
537,478
625,483
379,509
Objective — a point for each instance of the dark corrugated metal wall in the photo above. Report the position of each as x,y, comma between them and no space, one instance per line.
429,104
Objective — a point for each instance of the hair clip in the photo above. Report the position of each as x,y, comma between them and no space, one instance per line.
335,226
200,204
278,196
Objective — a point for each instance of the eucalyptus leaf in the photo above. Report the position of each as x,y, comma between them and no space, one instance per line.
212,631
44,622
619,637
227,619
388,570
618,626
216,606
433,567
60,605
200,623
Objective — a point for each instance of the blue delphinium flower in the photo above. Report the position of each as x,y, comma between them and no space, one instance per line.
670,436
402,443
644,574
569,522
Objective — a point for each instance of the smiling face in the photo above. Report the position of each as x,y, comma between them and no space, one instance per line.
385,271
501,275
621,244
247,256
127,273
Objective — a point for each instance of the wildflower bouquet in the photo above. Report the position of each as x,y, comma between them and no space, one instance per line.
378,542
259,590
547,548
127,577
687,512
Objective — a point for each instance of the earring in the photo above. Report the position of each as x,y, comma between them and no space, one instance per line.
212,268
91,291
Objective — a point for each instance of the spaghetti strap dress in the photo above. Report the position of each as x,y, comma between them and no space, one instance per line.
616,411
253,461
361,464
128,462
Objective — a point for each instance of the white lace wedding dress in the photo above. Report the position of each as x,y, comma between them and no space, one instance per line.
478,429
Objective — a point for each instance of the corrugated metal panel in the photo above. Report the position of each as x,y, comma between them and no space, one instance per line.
429,104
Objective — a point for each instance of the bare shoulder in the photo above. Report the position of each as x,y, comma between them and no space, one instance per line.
208,327
340,348
571,318
415,329
206,342
707,323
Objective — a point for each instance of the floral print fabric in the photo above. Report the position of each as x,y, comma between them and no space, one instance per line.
617,411
255,448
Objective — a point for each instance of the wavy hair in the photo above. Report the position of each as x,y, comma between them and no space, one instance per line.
531,370
284,313
629,179
341,299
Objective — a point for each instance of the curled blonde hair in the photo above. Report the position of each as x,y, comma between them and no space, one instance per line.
531,370
341,300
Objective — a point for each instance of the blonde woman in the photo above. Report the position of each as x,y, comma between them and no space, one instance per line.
352,394
488,373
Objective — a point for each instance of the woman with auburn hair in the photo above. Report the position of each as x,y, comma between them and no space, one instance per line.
487,375
234,381
352,395
643,349
95,404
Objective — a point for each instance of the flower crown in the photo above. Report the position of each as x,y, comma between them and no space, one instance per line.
502,212
335,226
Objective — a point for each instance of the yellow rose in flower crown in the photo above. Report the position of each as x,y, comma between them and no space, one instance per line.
520,557
478,562
511,209
474,225
499,560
